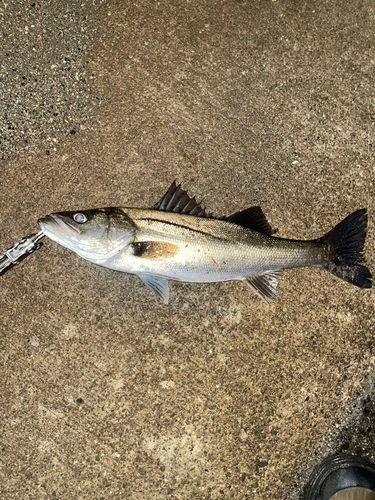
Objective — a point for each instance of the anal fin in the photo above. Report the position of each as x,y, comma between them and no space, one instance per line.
265,284
158,285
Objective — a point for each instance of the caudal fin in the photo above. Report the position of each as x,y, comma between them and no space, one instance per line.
345,243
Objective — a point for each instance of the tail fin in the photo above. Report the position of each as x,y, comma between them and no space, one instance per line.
345,243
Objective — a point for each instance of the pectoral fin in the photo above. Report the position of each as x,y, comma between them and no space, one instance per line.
264,285
158,285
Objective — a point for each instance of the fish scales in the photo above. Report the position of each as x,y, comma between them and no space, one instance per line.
211,250
178,240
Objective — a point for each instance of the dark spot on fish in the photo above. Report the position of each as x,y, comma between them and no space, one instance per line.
138,249
80,401
154,250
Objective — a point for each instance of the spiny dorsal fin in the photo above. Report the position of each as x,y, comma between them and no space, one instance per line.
264,285
252,218
177,200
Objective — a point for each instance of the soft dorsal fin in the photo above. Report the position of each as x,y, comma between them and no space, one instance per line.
177,200
252,218
264,285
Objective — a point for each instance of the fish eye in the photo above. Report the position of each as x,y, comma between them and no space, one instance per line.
80,217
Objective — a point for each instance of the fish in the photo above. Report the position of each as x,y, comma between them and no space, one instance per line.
178,240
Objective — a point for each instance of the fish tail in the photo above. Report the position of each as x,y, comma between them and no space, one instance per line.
345,250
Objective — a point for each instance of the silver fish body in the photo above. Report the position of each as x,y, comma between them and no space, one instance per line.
207,250
177,240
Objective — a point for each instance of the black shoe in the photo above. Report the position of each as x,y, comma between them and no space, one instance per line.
342,477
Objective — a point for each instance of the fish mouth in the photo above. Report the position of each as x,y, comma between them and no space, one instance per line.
56,226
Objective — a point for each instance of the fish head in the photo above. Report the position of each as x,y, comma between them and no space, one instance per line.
95,235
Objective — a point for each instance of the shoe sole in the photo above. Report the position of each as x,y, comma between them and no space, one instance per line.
331,464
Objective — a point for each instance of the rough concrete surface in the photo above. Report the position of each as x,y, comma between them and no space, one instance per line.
45,73
105,391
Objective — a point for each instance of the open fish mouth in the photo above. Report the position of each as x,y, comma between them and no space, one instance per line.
56,226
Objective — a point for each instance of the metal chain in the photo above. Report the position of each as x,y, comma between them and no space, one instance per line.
25,246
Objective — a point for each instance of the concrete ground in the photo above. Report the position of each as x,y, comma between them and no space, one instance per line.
105,391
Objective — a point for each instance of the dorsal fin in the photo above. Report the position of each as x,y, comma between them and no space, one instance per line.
252,218
177,200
